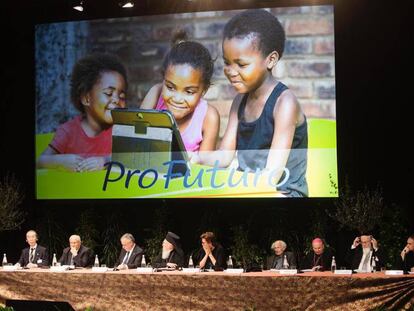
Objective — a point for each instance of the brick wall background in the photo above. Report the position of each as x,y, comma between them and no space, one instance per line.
307,66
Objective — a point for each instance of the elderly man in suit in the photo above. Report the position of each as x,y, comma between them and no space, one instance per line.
365,254
76,254
35,255
275,261
131,254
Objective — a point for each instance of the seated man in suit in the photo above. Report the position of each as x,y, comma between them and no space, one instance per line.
211,255
171,255
319,259
406,260
77,254
275,261
131,254
365,254
34,255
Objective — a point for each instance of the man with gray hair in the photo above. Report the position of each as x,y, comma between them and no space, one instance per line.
131,254
275,261
35,255
76,254
171,254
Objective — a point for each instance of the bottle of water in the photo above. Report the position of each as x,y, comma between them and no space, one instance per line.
4,262
143,262
54,260
96,263
373,264
333,264
229,263
285,264
190,262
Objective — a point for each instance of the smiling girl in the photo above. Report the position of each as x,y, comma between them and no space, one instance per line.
266,124
187,70
98,85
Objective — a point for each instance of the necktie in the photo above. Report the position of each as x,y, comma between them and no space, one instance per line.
126,259
31,256
366,261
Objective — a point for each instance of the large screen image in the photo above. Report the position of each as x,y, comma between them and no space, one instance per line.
218,104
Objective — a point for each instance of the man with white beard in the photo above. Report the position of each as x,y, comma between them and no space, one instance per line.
364,252
171,255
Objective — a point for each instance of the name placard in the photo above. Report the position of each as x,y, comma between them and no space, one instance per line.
394,272
9,268
59,268
234,270
288,271
343,272
191,270
100,269
144,269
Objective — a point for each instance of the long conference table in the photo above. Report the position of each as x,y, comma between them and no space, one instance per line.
131,290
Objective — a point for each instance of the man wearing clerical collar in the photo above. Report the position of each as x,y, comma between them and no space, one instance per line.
319,259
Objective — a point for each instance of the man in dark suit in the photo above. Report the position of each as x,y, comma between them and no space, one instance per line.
34,255
131,254
406,260
77,254
365,254
275,261
171,255
319,259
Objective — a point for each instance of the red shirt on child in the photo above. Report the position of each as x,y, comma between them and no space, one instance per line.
70,138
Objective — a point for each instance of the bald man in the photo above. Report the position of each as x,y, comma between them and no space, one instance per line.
77,254
35,255
319,259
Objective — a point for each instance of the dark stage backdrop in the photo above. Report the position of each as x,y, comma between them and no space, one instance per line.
374,131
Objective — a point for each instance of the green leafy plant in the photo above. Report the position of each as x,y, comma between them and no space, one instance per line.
52,234
157,234
393,234
11,196
245,253
359,210
87,228
111,236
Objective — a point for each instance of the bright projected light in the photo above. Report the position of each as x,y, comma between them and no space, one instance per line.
243,106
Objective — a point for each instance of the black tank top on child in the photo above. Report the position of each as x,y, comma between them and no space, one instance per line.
255,138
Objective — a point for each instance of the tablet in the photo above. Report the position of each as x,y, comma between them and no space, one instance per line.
146,139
